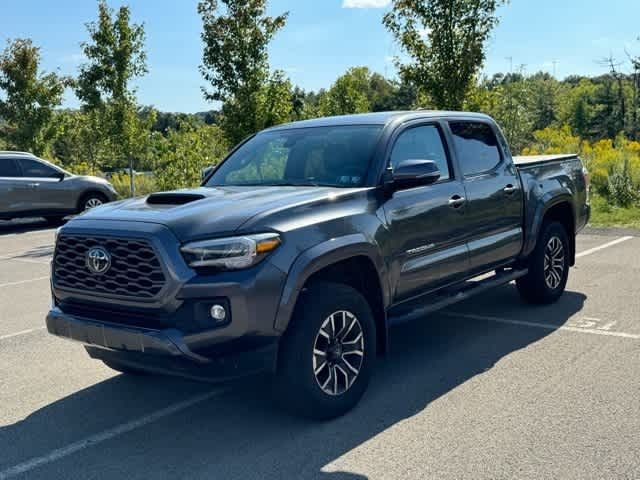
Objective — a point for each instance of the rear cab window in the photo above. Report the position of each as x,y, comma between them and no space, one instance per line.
476,146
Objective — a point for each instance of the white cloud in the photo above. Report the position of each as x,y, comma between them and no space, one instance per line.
365,3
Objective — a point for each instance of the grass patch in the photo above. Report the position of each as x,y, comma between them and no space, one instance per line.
603,214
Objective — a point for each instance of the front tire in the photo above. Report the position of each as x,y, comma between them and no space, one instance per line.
328,352
548,267
91,200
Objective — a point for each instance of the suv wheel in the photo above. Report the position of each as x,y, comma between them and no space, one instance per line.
92,200
548,267
327,354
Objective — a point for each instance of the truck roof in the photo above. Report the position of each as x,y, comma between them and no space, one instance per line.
5,153
377,118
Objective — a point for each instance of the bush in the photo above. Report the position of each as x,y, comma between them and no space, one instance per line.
145,184
614,165
83,168
620,188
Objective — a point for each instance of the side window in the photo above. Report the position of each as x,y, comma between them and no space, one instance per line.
476,145
421,143
9,168
35,169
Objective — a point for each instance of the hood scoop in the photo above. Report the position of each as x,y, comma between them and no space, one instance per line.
173,198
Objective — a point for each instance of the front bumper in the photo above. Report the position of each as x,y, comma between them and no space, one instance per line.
161,351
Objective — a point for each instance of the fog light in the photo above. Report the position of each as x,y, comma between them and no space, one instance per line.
218,313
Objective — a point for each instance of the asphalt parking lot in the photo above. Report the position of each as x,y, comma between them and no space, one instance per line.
491,388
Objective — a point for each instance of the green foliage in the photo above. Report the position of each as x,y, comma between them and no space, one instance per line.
348,94
236,34
620,186
115,55
29,98
604,213
144,184
181,156
445,41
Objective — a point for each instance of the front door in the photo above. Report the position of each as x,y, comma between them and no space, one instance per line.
42,187
494,194
427,234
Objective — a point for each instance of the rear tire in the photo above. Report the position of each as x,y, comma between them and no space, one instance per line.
328,352
548,267
118,367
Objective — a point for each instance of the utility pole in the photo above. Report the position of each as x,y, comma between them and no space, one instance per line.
510,63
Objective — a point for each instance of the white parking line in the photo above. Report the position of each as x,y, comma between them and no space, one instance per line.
23,332
23,281
545,326
107,435
602,247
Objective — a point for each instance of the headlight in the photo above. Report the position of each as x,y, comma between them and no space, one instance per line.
231,253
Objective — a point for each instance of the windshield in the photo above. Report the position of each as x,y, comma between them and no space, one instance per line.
336,156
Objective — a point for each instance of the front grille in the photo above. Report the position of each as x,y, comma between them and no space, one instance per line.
135,269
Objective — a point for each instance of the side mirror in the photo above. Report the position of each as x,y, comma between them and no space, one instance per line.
206,172
60,176
414,173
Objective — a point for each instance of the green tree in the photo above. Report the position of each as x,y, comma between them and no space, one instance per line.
445,41
236,34
181,156
115,56
30,97
348,94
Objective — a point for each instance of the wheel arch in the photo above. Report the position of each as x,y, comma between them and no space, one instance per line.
559,209
351,260
86,193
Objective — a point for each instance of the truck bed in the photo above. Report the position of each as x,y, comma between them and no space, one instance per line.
532,160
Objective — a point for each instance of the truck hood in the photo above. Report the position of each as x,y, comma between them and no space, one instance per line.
204,212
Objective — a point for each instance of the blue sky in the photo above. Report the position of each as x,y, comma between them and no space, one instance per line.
325,37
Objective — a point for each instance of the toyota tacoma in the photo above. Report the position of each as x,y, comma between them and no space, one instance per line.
307,243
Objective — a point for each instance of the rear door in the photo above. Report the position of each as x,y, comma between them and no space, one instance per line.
426,229
493,192
9,186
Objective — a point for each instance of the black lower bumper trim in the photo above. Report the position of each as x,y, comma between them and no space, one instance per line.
162,351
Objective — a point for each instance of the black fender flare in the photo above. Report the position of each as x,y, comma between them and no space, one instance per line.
546,203
323,255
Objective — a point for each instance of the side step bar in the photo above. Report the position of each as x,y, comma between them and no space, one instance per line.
431,303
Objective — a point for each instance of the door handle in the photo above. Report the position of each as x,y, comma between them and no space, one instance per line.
33,185
509,189
456,201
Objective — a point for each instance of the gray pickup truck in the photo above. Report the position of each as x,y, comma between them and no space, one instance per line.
308,242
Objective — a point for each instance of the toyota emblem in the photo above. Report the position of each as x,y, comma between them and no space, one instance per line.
98,260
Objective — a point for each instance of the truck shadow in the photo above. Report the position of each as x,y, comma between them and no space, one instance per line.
240,434
24,225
